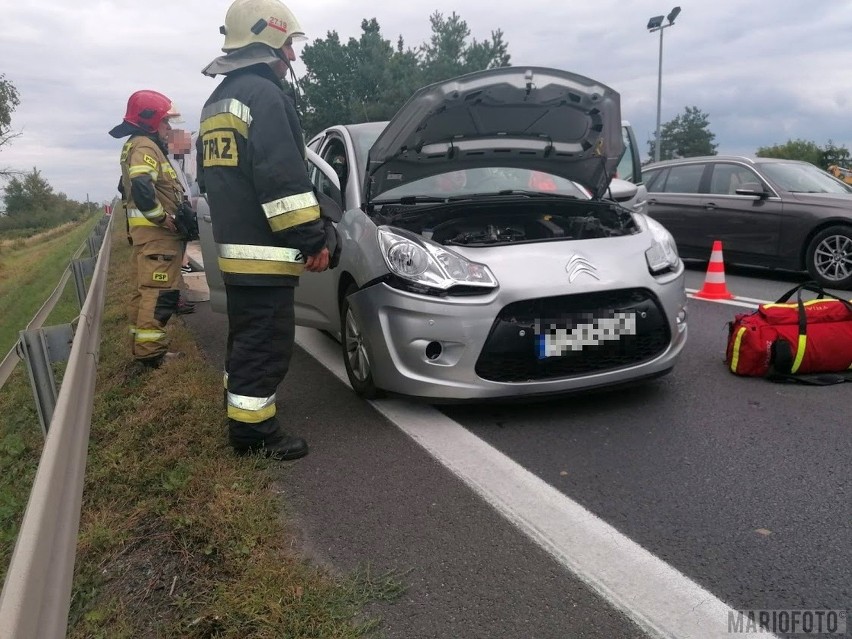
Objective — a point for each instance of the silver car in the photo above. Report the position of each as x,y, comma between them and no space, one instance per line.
484,252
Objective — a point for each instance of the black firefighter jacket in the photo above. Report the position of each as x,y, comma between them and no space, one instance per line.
250,150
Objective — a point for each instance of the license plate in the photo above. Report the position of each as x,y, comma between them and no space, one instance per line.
553,340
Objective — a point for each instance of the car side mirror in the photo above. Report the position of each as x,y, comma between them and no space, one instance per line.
755,189
621,190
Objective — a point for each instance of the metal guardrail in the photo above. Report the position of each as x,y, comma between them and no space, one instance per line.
7,365
36,595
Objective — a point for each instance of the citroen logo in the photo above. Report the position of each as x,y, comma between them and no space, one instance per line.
578,266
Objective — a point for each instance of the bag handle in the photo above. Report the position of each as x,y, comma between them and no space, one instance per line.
813,287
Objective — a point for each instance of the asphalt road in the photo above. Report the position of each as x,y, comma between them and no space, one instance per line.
742,485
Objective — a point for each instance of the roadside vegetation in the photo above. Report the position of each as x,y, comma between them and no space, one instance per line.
30,269
178,537
39,234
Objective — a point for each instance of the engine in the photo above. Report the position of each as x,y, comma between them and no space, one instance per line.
517,228
490,223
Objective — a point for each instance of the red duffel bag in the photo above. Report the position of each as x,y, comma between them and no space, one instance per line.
785,339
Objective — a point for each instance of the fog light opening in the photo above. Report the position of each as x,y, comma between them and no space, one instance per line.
434,350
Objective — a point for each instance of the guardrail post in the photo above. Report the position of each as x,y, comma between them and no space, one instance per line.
96,237
40,349
81,269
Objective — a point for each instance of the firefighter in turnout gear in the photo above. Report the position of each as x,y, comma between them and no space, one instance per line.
266,219
151,194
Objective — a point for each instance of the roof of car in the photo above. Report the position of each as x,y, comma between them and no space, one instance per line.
715,158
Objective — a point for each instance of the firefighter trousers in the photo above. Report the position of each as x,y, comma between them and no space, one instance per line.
155,268
261,330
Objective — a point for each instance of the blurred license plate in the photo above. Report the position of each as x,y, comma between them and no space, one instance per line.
553,340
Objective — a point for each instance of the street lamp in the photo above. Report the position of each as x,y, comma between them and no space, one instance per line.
656,24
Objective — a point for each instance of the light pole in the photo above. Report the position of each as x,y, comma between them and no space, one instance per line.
656,24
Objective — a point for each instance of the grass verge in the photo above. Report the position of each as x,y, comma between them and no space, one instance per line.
29,271
178,537
21,440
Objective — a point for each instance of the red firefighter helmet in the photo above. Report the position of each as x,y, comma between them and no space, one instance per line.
145,110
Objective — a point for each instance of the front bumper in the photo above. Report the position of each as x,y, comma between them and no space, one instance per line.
444,348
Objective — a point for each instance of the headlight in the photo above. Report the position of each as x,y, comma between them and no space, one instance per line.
662,256
430,265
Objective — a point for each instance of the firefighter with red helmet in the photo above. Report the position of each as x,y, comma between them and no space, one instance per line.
266,219
152,194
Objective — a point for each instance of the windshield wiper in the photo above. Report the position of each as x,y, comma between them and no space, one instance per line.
528,193
407,200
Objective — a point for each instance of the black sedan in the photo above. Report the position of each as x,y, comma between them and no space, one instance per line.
772,213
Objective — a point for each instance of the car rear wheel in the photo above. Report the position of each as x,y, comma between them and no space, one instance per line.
356,358
829,257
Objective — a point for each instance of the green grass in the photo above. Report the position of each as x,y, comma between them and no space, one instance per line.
20,447
178,537
30,269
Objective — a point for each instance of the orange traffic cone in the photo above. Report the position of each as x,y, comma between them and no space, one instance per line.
714,283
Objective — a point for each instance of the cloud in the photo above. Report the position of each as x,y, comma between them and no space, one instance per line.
764,71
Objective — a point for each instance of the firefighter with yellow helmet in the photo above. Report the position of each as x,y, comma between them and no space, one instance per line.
266,219
151,194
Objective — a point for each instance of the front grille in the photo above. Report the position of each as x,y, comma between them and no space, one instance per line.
511,352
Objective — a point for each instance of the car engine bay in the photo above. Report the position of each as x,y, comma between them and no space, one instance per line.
496,223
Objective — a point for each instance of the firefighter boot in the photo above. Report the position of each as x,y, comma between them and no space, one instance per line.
285,448
184,307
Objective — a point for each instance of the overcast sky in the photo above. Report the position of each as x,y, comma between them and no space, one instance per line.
764,71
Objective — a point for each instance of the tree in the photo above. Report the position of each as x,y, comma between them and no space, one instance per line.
368,79
9,99
798,149
834,155
28,195
32,205
364,80
448,55
686,136
807,151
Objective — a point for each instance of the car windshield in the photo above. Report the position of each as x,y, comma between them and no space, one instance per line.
485,181
802,178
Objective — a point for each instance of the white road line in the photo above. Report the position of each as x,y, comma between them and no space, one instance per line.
747,302
660,599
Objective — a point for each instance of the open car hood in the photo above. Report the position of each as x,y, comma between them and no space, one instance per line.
524,117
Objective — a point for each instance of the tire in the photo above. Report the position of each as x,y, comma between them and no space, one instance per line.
355,352
829,257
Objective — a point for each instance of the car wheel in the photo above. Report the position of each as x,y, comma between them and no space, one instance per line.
829,258
356,358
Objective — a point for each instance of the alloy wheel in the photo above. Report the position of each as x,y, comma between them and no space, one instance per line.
833,258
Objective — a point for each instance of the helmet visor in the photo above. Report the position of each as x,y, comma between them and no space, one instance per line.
173,115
